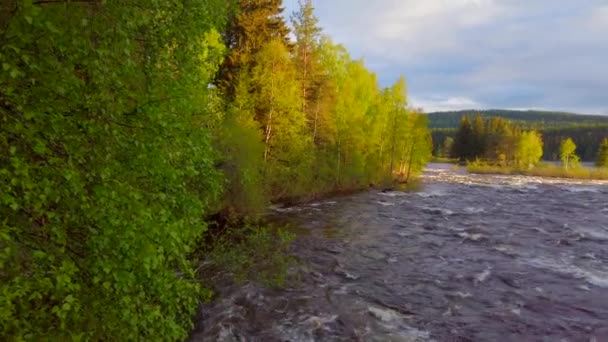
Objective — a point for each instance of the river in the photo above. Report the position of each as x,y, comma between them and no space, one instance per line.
464,258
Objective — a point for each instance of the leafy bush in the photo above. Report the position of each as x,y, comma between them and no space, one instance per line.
106,167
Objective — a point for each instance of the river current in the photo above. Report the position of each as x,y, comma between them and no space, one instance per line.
464,258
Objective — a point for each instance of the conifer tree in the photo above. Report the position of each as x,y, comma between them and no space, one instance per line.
307,34
602,156
463,141
256,24
478,144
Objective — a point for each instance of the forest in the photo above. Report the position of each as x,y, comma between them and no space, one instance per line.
587,131
126,126
500,142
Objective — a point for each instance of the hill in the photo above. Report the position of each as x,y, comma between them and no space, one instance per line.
530,118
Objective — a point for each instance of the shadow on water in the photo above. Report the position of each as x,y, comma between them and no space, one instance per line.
457,258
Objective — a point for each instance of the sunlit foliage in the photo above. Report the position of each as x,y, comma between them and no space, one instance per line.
123,124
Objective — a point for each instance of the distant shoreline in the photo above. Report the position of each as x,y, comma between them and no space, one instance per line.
542,170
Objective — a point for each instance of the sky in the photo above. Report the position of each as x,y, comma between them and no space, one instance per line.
480,54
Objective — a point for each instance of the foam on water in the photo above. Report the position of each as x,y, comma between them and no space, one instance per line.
593,234
385,315
474,210
594,277
483,276
386,204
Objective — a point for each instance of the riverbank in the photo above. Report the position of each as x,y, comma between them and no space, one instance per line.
552,171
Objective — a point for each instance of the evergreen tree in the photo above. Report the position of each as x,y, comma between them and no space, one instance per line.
478,145
463,141
257,23
602,156
307,34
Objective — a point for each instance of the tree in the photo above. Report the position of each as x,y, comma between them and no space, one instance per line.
529,149
602,156
417,146
115,147
307,34
257,23
106,166
567,153
463,141
501,140
397,120
448,144
276,103
478,145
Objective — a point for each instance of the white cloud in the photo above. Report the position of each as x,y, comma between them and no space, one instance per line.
437,104
499,53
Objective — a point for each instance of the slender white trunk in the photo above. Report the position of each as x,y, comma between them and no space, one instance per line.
268,132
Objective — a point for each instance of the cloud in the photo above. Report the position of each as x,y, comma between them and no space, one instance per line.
494,53
437,104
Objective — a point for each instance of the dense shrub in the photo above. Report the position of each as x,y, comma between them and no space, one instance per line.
106,167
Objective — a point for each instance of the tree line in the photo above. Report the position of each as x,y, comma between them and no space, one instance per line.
534,119
499,141
587,131
125,124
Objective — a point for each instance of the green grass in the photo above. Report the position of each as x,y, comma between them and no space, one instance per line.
542,170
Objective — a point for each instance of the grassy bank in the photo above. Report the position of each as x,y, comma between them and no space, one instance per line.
542,170
445,160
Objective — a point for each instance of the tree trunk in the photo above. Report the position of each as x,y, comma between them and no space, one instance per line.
268,132
409,168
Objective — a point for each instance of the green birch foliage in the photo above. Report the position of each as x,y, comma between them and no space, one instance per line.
277,104
529,149
106,166
417,146
567,152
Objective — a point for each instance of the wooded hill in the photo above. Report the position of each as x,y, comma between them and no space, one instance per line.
529,118
587,131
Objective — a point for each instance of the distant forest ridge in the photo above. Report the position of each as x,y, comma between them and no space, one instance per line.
587,131
542,120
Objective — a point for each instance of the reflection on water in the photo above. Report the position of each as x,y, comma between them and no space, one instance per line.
464,258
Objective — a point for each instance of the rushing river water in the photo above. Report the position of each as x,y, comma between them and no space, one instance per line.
465,258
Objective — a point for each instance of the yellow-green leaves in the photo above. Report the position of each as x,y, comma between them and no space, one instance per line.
104,178
529,149
567,151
